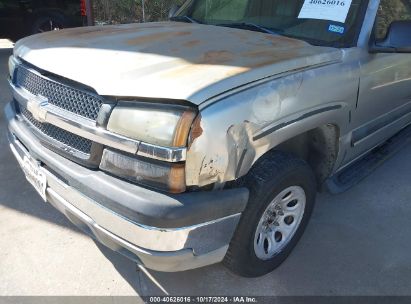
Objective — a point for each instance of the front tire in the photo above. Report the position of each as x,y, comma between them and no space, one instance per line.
282,196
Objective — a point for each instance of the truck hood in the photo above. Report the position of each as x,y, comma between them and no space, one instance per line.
168,60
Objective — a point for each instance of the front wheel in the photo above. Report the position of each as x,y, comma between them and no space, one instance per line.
282,196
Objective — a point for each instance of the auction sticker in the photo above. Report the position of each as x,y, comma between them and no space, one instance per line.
333,10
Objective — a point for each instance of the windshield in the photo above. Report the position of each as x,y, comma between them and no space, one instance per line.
320,22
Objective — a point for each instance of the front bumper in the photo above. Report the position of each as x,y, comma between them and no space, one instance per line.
160,231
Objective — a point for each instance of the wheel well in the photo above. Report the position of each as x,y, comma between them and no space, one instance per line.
318,147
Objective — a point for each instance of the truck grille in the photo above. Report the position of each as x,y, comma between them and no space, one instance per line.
63,96
75,142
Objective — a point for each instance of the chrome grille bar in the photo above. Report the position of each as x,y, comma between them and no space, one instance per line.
71,140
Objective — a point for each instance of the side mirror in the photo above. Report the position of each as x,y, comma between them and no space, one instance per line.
398,39
173,10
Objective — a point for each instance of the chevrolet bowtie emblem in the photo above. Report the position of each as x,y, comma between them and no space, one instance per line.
37,107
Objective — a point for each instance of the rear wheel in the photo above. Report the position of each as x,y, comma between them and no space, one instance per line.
282,196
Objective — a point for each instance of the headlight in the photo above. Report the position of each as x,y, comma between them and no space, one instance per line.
12,66
157,124
168,177
166,126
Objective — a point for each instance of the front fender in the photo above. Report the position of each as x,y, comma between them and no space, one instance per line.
232,134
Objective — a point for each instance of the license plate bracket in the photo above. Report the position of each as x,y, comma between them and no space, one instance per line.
35,175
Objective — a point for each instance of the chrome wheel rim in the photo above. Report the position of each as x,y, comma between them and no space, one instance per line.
279,222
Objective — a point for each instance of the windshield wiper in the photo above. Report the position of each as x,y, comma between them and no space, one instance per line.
250,26
184,18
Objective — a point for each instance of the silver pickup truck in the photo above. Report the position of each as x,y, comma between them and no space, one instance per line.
204,139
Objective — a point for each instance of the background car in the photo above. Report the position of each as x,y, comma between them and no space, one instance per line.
19,18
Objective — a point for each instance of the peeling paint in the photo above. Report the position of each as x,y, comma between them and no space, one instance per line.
192,62
216,57
191,43
155,37
196,131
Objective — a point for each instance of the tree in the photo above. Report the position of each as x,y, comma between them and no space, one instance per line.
127,11
389,11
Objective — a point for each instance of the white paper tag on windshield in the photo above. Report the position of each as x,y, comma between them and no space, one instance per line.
333,10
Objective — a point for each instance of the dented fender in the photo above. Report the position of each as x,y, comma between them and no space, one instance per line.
231,134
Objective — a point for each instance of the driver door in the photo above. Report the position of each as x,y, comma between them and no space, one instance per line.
384,100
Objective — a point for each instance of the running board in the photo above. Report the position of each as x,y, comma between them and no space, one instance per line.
354,173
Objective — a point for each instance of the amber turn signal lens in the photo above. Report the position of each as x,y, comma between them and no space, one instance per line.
183,129
177,178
